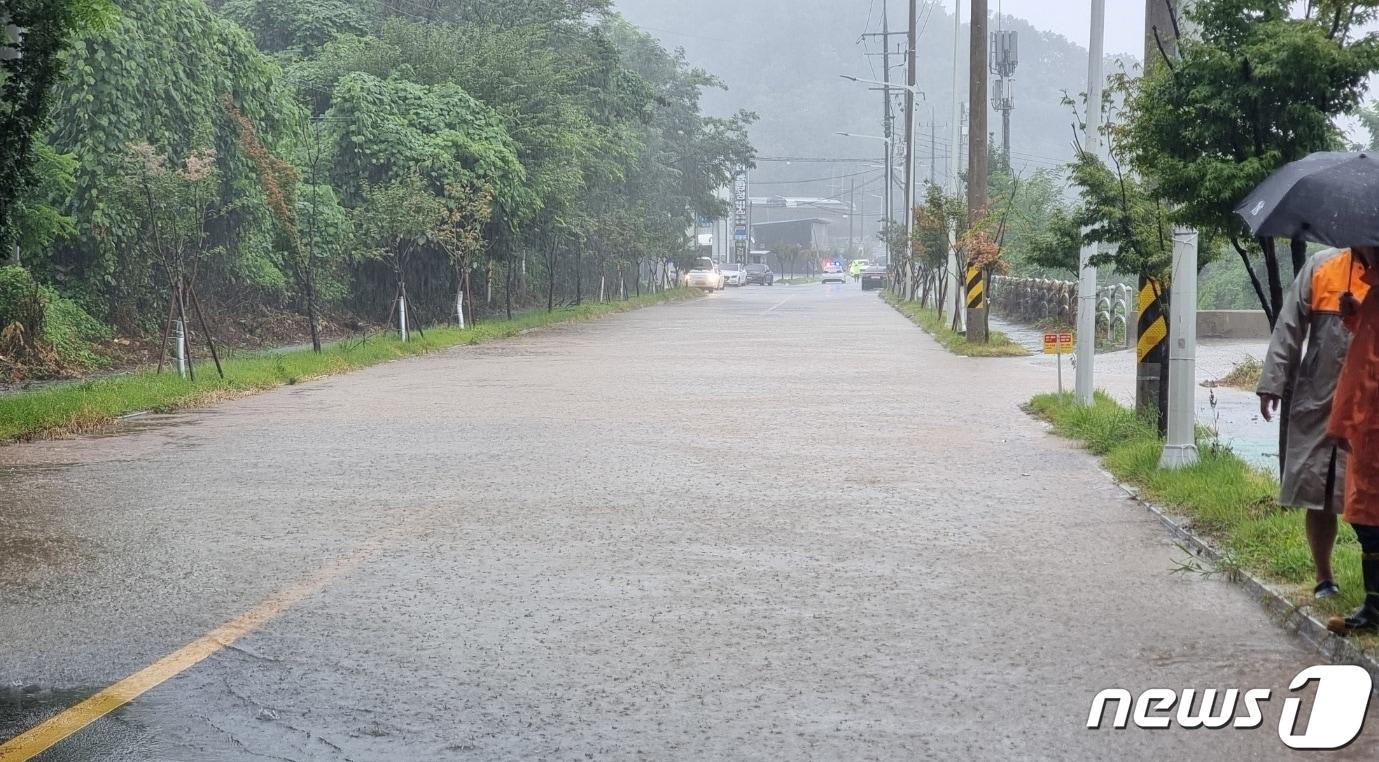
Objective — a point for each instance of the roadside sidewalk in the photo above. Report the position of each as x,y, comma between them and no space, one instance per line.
1236,412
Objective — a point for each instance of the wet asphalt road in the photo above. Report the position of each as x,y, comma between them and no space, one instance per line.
770,524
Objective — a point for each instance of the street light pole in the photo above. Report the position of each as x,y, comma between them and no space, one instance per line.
889,120
1087,280
912,92
954,285
911,81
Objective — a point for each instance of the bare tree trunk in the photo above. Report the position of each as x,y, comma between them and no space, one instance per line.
186,327
311,315
508,272
551,257
469,295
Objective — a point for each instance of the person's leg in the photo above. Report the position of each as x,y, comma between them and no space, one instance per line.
1366,619
1322,527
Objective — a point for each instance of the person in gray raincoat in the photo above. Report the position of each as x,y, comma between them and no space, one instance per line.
1313,467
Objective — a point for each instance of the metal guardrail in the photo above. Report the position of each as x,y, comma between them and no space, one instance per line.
1031,300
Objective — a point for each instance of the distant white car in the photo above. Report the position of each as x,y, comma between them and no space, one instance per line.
734,274
705,275
835,275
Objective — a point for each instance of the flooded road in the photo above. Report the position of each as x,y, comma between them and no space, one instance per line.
774,523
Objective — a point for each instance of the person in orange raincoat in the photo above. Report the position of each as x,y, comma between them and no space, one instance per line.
1355,427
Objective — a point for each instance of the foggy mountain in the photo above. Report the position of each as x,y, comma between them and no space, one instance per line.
783,59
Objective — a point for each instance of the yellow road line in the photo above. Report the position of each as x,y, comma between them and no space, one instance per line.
43,736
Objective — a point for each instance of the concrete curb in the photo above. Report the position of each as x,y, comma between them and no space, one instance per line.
1292,618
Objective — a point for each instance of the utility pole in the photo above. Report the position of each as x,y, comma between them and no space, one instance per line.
911,79
933,151
977,168
1159,27
1152,314
889,119
1087,282
852,215
888,216
955,300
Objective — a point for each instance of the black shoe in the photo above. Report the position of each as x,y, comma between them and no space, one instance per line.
1327,589
1365,620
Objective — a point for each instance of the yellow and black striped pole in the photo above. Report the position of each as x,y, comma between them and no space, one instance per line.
1151,387
976,305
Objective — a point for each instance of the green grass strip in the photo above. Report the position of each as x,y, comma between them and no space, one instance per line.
1225,499
93,405
933,323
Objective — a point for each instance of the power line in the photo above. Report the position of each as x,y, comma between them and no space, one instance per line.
813,160
820,179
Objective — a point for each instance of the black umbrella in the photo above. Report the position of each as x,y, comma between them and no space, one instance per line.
1330,198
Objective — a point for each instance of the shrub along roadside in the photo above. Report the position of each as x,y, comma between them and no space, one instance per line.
95,404
40,329
933,323
1225,500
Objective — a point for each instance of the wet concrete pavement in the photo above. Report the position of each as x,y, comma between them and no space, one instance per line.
1232,413
771,524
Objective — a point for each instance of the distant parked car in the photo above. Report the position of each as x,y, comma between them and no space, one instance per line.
734,274
834,274
705,275
873,277
760,275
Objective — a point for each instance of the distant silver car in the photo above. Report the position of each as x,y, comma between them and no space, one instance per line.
834,274
734,274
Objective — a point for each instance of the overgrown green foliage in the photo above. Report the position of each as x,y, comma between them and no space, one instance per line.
1128,222
1260,88
36,318
1227,501
296,28
1034,223
26,85
997,345
561,144
158,77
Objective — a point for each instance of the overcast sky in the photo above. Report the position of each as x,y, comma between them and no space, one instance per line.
1073,19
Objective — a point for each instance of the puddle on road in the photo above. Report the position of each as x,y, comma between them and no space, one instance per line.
127,439
122,734
30,543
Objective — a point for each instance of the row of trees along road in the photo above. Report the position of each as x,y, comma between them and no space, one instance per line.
324,155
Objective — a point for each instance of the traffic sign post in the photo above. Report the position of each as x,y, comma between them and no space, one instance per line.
1059,344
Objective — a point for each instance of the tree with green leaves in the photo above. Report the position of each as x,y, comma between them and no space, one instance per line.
294,29
26,92
396,220
158,74
1256,88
